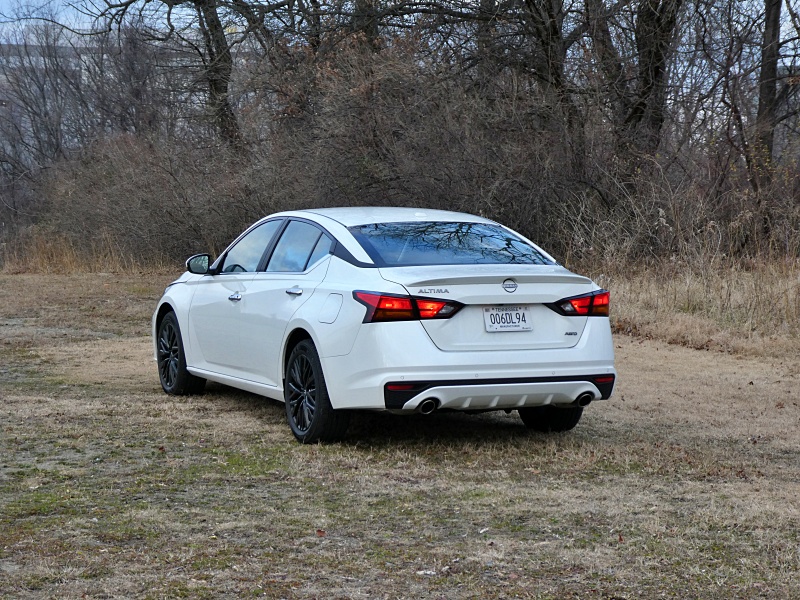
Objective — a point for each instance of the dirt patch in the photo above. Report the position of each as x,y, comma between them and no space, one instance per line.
125,363
685,484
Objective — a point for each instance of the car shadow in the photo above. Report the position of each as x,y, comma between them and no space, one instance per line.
440,427
367,427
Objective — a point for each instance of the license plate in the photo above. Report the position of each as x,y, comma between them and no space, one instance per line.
507,318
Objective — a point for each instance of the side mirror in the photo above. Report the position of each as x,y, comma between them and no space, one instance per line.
198,264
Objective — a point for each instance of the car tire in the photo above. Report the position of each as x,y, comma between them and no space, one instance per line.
309,412
175,379
550,418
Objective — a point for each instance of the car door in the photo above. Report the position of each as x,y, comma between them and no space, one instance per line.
215,316
296,267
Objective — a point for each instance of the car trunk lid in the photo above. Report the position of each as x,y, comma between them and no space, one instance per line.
505,306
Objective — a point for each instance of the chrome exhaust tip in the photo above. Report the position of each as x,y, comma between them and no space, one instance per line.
584,399
427,406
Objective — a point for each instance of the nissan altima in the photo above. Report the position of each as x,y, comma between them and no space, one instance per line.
391,309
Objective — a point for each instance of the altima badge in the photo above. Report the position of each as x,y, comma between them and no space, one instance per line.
510,286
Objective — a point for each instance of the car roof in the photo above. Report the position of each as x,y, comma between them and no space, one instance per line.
363,215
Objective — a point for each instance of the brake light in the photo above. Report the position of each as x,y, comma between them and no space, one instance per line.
601,304
382,307
428,309
595,304
390,307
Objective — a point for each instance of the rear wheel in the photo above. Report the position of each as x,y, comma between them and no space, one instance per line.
175,379
308,407
550,418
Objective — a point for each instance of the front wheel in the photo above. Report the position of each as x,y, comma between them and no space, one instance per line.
308,407
175,379
550,418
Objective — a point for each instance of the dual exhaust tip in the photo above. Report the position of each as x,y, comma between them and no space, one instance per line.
429,405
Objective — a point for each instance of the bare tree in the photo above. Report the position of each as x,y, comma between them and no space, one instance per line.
655,115
636,84
221,24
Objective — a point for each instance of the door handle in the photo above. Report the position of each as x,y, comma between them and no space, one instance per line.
294,291
235,297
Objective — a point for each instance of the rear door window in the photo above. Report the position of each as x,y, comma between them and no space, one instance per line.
299,243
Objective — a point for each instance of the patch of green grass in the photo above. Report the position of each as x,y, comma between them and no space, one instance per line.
255,463
37,581
20,369
126,529
204,558
95,572
45,502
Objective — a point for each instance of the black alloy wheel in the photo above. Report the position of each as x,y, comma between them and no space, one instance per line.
302,393
175,379
309,412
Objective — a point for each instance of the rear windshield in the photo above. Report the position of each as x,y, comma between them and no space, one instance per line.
437,243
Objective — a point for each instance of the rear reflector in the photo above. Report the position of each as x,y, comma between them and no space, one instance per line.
399,387
604,383
391,307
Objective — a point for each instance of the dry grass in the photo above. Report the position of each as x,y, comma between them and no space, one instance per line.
744,308
41,251
684,485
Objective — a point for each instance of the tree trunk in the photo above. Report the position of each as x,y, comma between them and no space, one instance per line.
365,21
655,31
219,67
763,140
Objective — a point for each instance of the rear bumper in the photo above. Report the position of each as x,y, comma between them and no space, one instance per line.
496,393
402,355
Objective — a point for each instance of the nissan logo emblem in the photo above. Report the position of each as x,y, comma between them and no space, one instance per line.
510,285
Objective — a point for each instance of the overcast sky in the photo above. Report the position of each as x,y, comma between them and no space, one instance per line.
15,8
12,10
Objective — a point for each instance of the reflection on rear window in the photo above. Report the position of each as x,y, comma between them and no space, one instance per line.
428,243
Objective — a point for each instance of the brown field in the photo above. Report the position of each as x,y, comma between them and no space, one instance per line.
686,484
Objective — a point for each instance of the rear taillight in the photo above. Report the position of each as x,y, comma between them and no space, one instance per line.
382,307
595,304
391,307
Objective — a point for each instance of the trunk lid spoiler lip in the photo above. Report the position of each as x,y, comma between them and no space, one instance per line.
442,275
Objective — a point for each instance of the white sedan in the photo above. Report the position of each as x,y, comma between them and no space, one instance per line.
395,309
